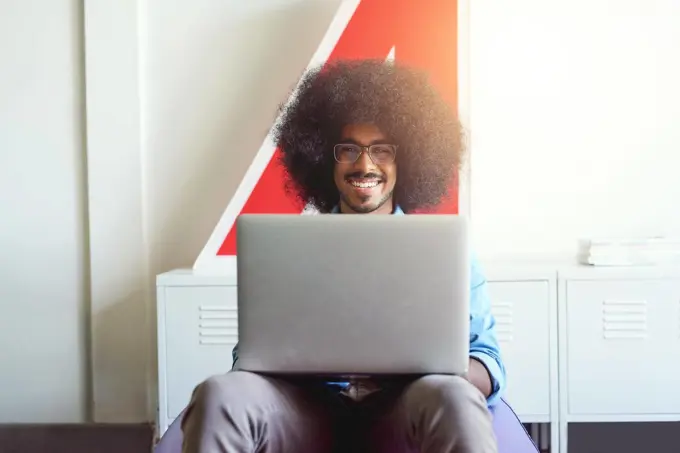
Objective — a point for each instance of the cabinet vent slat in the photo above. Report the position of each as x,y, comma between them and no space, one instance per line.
217,325
503,312
624,319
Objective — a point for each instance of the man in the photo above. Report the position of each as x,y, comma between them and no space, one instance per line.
362,137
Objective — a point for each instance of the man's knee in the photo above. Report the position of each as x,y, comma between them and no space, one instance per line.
235,389
449,411
453,393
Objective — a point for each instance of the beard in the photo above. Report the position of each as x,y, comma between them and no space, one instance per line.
366,208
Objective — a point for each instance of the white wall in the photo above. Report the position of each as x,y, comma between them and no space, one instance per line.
43,293
575,107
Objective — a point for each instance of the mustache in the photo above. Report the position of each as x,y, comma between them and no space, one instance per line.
359,175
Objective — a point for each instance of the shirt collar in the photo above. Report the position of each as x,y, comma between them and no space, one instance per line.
397,210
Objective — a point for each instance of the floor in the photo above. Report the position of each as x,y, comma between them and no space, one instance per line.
624,437
96,438
91,438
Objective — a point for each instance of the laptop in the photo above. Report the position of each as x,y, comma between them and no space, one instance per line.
353,295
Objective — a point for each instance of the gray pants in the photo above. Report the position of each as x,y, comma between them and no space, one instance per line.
242,412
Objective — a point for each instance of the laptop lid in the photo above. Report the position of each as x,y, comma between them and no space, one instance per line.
353,294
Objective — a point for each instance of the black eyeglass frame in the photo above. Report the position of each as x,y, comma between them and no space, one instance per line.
365,149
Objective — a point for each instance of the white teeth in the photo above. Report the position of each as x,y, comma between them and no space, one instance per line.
364,185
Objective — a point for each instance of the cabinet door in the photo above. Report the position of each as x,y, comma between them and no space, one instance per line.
623,343
201,331
522,312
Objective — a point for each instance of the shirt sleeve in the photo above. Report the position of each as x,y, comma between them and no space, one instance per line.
483,342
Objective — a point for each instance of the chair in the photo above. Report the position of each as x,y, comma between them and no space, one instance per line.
510,432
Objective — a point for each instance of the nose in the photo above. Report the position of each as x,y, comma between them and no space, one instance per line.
364,163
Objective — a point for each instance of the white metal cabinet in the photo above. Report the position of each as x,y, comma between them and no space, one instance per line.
197,330
522,312
524,304
619,345
202,327
623,346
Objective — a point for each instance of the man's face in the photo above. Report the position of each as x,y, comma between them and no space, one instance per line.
365,179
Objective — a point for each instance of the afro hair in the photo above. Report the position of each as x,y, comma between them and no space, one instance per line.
399,100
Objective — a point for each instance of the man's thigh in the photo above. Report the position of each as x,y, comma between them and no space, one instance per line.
430,414
244,412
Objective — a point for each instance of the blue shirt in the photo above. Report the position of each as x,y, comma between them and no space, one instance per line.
483,342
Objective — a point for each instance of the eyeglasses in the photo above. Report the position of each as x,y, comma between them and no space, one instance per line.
380,154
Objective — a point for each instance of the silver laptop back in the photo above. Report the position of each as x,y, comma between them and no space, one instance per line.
353,294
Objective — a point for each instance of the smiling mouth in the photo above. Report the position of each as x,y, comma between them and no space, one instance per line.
364,183
368,181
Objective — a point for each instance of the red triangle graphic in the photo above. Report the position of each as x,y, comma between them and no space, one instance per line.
424,34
